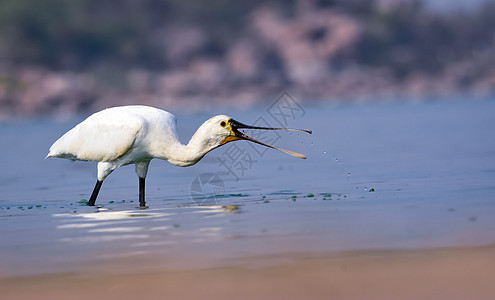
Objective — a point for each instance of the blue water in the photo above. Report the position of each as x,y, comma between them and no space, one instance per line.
389,176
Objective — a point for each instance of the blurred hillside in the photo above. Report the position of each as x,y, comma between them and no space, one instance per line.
70,56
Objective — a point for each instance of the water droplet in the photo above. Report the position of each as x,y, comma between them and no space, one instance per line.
312,143
348,174
324,152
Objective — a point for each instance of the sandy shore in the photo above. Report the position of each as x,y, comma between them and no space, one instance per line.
453,273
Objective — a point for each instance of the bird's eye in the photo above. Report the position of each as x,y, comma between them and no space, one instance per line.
223,123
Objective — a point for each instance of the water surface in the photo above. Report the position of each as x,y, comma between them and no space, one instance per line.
382,177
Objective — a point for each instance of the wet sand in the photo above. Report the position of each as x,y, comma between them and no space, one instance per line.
448,273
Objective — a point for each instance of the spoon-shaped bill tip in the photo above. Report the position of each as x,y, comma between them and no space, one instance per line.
292,129
292,153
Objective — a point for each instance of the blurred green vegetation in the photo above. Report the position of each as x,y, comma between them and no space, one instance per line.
410,38
82,34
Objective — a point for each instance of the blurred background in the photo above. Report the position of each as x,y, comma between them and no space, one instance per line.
78,56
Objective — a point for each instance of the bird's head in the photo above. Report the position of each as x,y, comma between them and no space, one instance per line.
224,129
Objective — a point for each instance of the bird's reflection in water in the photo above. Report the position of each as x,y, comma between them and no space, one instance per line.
150,228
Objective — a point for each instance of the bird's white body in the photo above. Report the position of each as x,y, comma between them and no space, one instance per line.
136,134
125,135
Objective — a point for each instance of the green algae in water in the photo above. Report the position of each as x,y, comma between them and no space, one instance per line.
310,195
236,195
83,201
266,201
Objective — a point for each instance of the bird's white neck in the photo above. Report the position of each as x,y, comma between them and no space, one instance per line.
181,155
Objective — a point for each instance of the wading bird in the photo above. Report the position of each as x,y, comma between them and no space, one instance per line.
135,134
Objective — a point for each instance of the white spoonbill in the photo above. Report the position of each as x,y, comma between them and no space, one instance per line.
136,134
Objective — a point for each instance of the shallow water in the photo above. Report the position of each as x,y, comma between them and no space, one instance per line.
401,176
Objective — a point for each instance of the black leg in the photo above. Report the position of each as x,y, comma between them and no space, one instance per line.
142,202
96,190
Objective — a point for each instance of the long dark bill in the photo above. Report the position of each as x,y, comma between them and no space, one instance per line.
235,125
